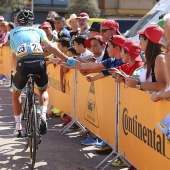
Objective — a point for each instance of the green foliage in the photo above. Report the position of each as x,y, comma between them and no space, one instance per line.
88,6
8,6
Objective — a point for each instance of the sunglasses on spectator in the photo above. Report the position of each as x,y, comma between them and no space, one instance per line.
104,30
142,37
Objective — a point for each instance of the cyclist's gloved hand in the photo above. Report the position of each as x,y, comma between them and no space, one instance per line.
71,61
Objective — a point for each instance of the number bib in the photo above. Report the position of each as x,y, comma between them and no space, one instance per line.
35,49
22,50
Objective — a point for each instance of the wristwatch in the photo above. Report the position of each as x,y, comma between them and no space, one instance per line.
138,85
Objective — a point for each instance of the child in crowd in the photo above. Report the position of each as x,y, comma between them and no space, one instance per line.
72,52
80,47
114,48
63,45
130,54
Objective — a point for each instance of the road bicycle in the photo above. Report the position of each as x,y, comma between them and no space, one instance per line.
31,120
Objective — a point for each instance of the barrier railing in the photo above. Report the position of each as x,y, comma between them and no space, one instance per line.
125,118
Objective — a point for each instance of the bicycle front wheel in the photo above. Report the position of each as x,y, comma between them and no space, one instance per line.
34,136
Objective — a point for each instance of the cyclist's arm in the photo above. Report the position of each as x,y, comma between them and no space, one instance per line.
14,61
54,49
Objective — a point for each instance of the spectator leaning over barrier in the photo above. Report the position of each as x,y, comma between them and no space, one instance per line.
80,47
130,54
114,48
107,29
83,21
152,75
165,94
63,45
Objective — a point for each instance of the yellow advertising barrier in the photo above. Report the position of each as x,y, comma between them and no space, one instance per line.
5,63
140,141
96,106
62,101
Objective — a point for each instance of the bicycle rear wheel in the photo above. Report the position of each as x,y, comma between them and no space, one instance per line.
34,138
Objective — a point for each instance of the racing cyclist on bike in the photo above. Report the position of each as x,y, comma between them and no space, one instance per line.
28,55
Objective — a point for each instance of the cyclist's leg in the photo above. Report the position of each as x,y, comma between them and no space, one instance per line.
17,108
19,82
43,102
42,83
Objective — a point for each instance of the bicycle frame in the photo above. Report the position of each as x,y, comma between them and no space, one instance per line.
32,135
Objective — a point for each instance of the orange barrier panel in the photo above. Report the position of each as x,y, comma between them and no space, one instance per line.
140,141
5,63
62,101
96,106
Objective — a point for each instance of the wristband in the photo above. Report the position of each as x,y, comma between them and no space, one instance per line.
71,61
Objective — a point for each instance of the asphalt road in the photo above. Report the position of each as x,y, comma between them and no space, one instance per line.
56,152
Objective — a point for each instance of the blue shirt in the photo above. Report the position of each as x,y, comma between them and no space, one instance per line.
25,41
112,62
64,33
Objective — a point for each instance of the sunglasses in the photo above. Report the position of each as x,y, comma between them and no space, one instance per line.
142,37
104,30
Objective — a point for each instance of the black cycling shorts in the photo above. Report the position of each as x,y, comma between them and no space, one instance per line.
30,66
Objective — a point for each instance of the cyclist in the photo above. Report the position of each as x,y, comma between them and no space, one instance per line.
28,55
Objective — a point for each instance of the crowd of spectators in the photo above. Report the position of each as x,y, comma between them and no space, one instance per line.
102,49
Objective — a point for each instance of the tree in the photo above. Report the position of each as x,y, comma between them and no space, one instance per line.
8,6
88,6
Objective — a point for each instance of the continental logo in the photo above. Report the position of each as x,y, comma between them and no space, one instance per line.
140,131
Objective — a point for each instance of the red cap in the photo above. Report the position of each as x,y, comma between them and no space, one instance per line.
1,18
153,32
111,24
45,25
118,40
133,48
96,37
83,15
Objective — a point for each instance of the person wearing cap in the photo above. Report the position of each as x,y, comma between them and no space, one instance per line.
108,28
60,24
130,54
46,26
73,24
94,29
131,57
96,46
152,76
83,21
